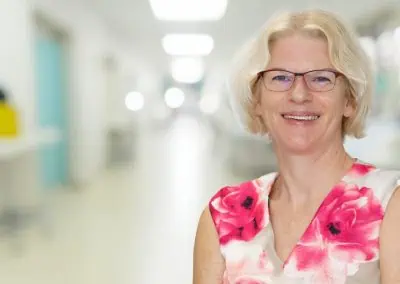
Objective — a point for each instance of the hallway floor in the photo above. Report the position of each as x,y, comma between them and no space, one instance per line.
134,225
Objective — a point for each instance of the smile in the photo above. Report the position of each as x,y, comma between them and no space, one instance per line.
301,117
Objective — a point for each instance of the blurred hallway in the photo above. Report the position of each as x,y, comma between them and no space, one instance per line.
122,129
134,225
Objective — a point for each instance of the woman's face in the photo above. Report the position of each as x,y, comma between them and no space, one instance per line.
300,119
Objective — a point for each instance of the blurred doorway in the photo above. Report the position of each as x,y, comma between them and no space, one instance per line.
52,103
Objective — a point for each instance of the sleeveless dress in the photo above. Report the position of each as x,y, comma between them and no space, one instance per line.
340,245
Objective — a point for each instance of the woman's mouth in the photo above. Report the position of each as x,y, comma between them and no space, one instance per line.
301,117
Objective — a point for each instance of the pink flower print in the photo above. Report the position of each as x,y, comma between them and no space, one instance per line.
360,169
251,269
344,233
238,212
249,281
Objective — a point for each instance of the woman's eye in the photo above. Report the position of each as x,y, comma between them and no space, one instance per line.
321,79
281,78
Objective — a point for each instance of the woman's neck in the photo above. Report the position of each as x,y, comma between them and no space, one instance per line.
305,177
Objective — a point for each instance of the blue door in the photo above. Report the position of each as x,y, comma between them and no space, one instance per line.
52,110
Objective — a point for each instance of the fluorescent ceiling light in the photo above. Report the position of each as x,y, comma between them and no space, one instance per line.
188,44
174,97
187,70
189,10
134,101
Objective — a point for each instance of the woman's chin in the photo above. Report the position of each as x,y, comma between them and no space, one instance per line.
296,146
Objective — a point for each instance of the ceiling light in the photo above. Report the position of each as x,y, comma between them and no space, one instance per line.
174,97
188,44
134,101
187,70
189,10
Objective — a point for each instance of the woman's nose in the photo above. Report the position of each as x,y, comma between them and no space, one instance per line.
299,92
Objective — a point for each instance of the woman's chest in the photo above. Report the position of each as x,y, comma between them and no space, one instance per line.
337,244
257,262
288,227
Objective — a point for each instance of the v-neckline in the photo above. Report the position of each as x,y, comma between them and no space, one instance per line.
283,263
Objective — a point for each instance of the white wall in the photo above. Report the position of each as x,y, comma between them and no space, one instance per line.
16,69
89,42
16,58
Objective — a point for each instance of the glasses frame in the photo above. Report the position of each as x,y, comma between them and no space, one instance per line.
260,75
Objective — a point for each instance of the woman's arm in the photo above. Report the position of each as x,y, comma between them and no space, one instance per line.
390,242
208,264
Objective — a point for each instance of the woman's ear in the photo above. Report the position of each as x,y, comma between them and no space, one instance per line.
350,106
257,99
258,109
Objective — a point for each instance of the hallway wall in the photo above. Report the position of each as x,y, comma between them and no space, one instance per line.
90,42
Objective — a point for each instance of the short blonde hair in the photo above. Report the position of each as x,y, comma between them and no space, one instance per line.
346,55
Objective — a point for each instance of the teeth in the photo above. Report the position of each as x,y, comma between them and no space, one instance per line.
298,117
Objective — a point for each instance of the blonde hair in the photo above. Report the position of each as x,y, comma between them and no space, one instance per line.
345,52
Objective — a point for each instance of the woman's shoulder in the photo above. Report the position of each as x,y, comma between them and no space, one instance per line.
247,189
238,211
382,181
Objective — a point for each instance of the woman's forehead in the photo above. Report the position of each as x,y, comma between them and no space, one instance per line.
298,52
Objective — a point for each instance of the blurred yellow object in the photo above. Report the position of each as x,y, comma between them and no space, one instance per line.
8,121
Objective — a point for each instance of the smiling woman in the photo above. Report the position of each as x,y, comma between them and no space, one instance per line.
324,216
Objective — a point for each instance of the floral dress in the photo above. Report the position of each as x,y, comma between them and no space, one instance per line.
340,245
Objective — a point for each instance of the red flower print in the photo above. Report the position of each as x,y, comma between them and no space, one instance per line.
238,212
344,233
360,169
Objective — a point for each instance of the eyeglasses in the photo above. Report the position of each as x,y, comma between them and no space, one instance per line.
279,80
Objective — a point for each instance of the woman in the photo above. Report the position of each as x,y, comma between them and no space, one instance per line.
323,217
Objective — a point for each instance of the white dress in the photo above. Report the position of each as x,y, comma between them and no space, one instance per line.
340,245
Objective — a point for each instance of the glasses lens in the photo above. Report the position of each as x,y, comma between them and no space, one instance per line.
277,80
320,80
